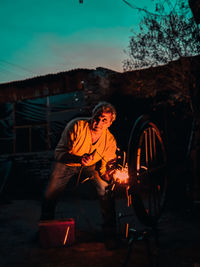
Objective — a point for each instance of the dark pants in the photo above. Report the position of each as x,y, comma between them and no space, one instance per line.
61,175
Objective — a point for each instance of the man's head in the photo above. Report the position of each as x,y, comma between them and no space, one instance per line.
103,116
106,108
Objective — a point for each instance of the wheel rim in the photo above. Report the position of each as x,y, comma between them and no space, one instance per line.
147,170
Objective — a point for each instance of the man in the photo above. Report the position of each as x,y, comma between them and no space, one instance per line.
85,147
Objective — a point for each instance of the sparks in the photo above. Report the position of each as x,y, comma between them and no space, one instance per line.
121,175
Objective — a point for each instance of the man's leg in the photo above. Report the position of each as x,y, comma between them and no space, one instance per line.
60,176
107,202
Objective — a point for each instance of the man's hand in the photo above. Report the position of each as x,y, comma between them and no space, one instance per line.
106,177
86,159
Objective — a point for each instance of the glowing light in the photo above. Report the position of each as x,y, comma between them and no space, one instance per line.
129,200
85,180
113,187
127,226
138,158
121,175
66,235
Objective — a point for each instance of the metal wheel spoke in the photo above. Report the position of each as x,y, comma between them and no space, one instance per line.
147,168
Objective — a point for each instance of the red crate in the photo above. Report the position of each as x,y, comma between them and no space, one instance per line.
57,233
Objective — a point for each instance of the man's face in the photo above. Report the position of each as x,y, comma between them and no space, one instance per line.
101,122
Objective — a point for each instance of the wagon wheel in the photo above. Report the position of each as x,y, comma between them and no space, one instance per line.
147,170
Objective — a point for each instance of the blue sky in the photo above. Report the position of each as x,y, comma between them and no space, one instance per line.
39,37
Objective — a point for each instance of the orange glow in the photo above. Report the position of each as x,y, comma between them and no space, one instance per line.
121,175
66,235
113,187
138,159
130,200
127,226
85,180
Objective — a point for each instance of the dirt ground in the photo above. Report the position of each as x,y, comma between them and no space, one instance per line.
179,238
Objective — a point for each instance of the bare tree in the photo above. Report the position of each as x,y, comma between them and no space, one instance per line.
166,34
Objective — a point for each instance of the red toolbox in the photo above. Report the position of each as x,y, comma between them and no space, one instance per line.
57,233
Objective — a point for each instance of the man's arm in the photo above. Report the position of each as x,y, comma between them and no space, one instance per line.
65,144
66,157
63,150
84,160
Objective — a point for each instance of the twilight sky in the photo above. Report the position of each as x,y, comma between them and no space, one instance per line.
39,37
